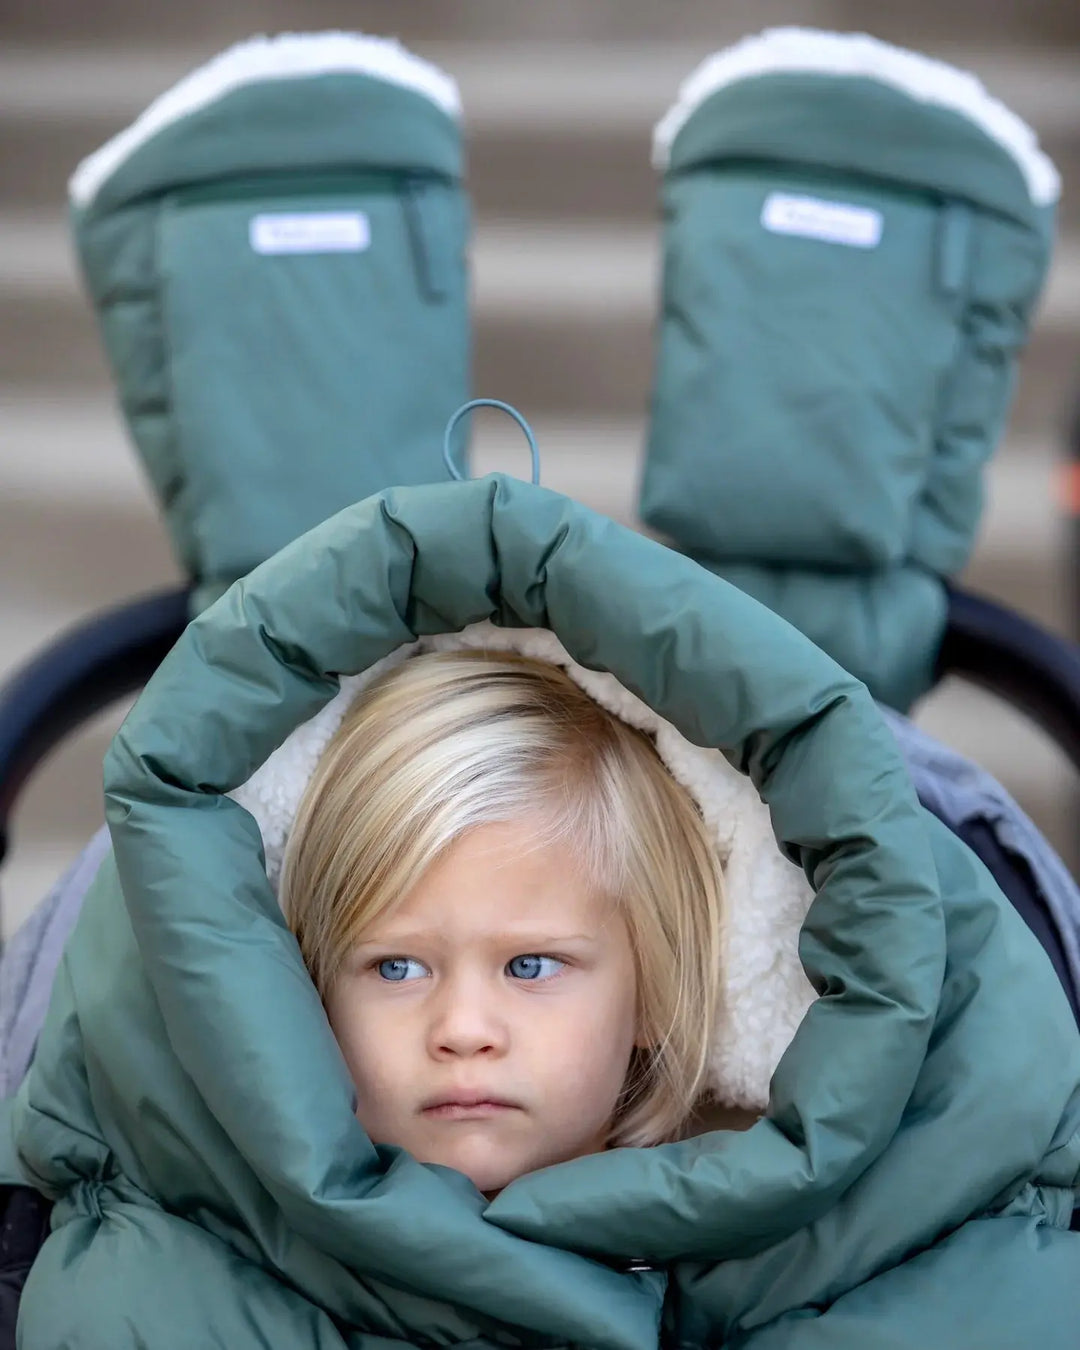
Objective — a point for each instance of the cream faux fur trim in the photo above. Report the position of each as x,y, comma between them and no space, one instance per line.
823,53
286,56
765,992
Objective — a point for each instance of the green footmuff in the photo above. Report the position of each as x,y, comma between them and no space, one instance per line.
855,237
275,250
909,1183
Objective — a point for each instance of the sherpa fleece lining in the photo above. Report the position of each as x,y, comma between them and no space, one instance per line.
764,990
287,56
857,54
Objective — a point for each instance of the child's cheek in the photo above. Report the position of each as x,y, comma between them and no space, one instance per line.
595,1064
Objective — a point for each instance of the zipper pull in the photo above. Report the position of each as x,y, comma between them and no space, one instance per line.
953,247
429,207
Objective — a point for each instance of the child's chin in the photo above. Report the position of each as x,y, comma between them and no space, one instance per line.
489,1169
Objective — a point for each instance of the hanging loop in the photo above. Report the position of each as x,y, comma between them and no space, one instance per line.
464,410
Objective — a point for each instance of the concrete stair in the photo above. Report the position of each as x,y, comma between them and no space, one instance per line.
564,277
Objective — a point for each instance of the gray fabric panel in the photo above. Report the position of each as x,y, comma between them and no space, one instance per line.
30,959
957,790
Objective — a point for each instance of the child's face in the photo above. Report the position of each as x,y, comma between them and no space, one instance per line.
488,1020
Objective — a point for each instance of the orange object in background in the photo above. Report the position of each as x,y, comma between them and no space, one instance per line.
1069,487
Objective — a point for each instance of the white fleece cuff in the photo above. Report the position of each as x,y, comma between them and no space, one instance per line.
287,56
786,50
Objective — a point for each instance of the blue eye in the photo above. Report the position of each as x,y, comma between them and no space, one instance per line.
396,968
533,967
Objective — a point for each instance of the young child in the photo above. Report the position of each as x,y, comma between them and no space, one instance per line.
512,913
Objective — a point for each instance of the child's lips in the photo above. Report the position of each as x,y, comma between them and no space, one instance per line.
467,1106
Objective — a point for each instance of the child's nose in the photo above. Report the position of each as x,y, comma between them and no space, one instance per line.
468,1021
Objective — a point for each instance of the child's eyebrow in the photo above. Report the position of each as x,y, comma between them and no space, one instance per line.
521,940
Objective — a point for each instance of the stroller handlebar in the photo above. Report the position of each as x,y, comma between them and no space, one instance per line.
77,675
1030,668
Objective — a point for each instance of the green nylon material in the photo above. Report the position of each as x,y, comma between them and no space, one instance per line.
821,411
266,392
856,125
887,624
325,124
190,1111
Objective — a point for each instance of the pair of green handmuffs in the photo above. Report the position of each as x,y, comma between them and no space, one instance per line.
854,237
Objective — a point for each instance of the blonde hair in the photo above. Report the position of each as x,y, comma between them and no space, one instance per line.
449,741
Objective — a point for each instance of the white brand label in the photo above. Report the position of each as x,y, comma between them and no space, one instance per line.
310,232
834,222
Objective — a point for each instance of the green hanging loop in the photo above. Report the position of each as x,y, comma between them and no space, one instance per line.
464,410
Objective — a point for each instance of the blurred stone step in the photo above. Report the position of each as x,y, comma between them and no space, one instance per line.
584,173
430,22
592,175
563,319
593,365
78,522
522,84
553,131
65,556
602,369
73,448
921,23
563,269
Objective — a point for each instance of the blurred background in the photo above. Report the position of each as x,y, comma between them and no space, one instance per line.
560,99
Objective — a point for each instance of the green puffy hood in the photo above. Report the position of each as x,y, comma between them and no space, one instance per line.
190,1110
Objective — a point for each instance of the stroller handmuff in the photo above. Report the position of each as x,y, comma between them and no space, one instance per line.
275,251
855,237
854,240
